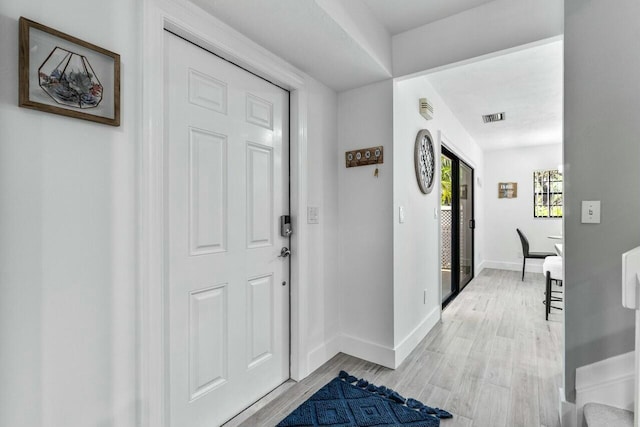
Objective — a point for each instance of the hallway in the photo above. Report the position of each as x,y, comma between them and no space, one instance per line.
493,361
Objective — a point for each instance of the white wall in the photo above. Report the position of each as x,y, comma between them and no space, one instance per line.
416,255
488,28
601,153
323,286
365,211
68,226
68,255
502,216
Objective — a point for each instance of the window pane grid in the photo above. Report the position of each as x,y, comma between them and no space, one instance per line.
547,194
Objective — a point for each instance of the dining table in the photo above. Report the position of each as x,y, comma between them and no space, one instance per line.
558,248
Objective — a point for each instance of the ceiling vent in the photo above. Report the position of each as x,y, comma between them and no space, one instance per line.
495,117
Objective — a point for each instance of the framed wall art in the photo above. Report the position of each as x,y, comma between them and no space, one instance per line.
62,74
507,190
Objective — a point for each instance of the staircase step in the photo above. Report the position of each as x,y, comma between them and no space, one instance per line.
599,415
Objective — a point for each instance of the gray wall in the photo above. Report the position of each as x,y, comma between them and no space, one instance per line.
602,156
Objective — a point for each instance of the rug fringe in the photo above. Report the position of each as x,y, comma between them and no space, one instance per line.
393,395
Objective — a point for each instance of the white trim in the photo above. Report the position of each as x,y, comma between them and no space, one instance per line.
366,350
458,151
192,23
376,353
532,266
610,381
479,58
439,216
299,247
481,266
324,352
566,411
410,342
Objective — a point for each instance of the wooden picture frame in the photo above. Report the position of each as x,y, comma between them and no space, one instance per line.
507,190
64,75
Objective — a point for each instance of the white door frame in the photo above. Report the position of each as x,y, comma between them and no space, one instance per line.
192,23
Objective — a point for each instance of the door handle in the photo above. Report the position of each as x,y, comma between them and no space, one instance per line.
284,252
472,224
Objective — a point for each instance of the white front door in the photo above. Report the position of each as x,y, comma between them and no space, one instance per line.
228,299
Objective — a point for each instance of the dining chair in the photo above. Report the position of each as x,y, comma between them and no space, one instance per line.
527,254
552,268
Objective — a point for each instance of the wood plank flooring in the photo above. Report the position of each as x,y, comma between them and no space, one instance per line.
492,362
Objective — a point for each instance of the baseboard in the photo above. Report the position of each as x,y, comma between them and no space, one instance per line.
610,382
376,353
533,265
566,411
372,352
479,268
323,353
407,345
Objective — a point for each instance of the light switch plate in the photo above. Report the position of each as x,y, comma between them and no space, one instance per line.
591,211
313,215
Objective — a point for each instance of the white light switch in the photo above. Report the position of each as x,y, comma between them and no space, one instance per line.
401,214
591,211
313,215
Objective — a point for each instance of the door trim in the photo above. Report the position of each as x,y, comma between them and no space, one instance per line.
195,25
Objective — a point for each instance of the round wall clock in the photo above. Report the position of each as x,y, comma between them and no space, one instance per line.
425,161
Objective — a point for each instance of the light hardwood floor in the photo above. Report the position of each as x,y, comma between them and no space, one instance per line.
492,362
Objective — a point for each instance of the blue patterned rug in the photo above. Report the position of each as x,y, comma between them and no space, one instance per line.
347,401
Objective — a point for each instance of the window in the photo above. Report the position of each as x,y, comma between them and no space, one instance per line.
547,194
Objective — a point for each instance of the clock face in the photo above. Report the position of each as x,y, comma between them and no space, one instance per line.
425,161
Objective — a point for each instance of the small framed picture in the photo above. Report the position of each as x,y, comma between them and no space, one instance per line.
64,75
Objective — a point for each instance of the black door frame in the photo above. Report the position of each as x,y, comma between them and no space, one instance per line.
456,288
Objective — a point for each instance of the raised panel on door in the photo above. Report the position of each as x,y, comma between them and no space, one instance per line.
259,195
260,319
259,111
208,193
207,92
208,339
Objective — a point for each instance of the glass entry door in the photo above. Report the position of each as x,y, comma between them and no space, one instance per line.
446,225
465,212
456,224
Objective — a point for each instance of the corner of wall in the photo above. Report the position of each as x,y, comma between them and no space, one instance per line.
372,352
323,353
365,259
406,346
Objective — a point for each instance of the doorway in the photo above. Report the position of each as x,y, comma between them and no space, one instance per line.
456,224
227,174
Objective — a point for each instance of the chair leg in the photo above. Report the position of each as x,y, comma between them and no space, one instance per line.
547,295
524,260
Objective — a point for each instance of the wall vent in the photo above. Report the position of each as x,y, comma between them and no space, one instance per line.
426,109
495,117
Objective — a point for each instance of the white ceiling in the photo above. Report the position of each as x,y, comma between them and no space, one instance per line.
400,16
526,85
304,34
347,44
